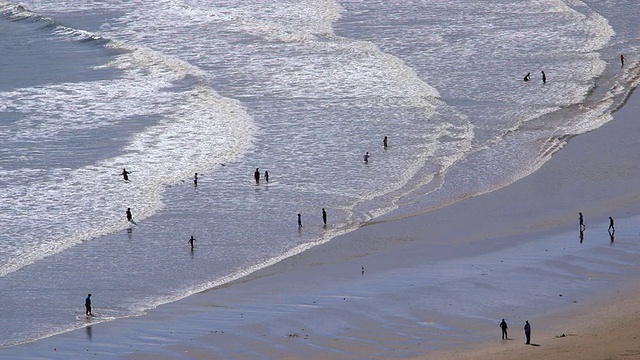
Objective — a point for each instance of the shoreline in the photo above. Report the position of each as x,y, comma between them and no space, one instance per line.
542,204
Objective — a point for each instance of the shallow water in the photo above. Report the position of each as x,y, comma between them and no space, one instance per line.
301,89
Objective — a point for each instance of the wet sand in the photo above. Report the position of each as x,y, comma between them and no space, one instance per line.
433,285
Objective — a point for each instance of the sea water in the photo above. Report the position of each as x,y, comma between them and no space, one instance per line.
301,89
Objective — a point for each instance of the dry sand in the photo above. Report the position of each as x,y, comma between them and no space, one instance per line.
608,327
605,332
594,174
263,316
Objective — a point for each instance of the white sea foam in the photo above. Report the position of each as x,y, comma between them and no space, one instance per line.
321,66
196,129
315,84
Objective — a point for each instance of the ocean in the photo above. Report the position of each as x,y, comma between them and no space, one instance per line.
301,89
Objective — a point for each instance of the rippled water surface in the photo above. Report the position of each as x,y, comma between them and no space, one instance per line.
301,89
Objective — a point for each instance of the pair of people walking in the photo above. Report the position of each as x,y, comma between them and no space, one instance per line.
527,331
611,229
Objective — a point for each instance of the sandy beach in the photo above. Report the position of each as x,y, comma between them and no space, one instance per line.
607,330
467,215
428,286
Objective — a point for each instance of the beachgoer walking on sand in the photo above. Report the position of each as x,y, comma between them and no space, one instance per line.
527,332
256,175
611,229
129,216
544,78
527,77
266,176
87,305
191,240
195,180
504,327
299,221
384,142
324,216
621,60
581,218
125,174
366,157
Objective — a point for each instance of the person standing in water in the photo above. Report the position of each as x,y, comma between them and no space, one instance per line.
191,240
87,305
581,219
266,176
129,216
611,229
256,175
366,157
195,180
544,78
125,174
384,142
621,60
324,216
299,221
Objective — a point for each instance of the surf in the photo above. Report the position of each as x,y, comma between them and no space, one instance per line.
184,129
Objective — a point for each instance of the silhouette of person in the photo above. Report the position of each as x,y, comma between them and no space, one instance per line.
527,332
129,216
504,327
611,229
384,142
324,216
125,174
581,218
366,157
299,220
256,175
191,240
266,176
621,60
195,180
87,305
544,78
527,77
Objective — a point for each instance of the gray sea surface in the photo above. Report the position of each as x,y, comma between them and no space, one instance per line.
301,89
